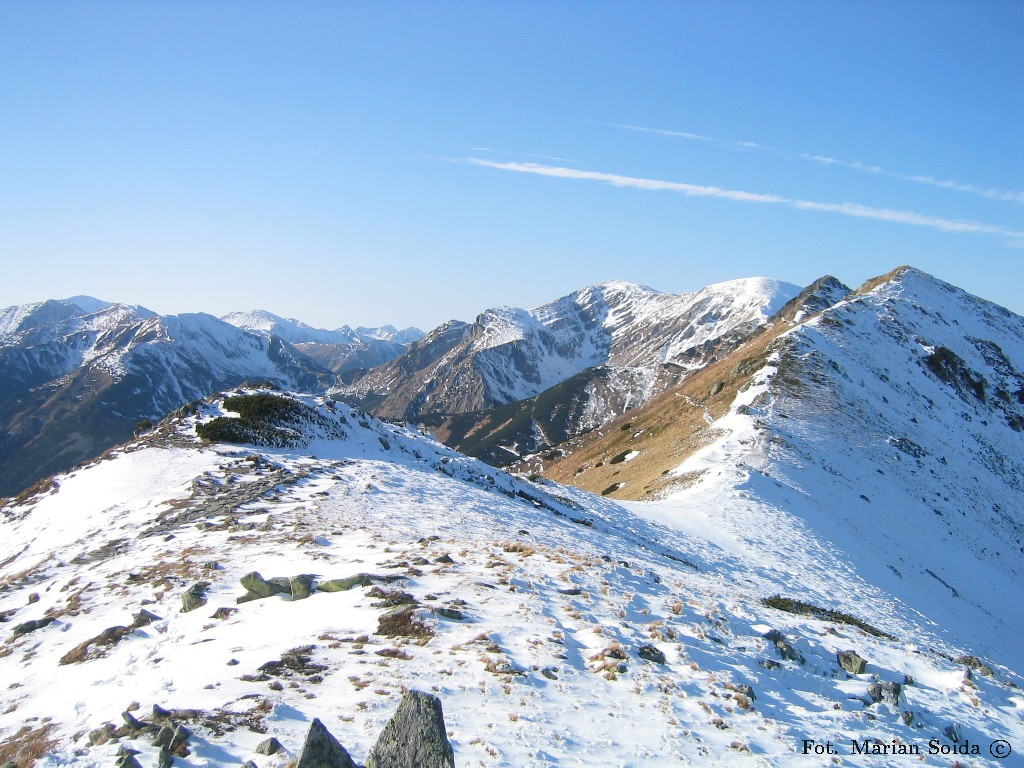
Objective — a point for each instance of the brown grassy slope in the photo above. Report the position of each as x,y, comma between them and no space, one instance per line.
666,431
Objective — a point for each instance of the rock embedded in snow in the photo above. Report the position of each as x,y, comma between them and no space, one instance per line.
784,647
650,653
885,691
301,586
351,582
322,750
851,662
269,746
194,597
144,618
257,587
33,625
415,737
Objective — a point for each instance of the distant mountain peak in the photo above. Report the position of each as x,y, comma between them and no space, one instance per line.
88,303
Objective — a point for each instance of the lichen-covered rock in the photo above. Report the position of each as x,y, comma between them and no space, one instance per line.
349,582
179,738
194,597
164,735
260,587
415,737
449,613
851,662
301,586
971,662
144,618
322,750
164,759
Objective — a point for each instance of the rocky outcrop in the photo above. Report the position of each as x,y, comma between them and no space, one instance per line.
415,737
322,750
783,646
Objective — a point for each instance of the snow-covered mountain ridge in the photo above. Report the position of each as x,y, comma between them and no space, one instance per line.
558,628
79,374
296,332
510,354
888,424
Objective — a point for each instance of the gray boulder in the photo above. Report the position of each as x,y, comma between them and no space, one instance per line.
269,746
783,646
322,750
194,597
851,662
415,737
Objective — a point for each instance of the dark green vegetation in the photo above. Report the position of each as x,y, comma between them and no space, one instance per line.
263,419
800,608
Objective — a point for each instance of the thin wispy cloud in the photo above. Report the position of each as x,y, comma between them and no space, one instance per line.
955,186
554,158
931,181
697,190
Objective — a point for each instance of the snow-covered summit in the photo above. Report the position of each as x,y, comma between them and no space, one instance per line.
510,354
291,330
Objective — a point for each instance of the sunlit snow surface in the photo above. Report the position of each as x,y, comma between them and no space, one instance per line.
552,579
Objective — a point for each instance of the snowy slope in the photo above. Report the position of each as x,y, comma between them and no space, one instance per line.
533,603
885,433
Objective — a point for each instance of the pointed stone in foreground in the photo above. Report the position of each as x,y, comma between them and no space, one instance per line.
415,737
322,750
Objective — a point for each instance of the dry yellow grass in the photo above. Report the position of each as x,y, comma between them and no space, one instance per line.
27,746
667,430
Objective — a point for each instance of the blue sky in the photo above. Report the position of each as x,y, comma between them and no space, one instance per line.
367,163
